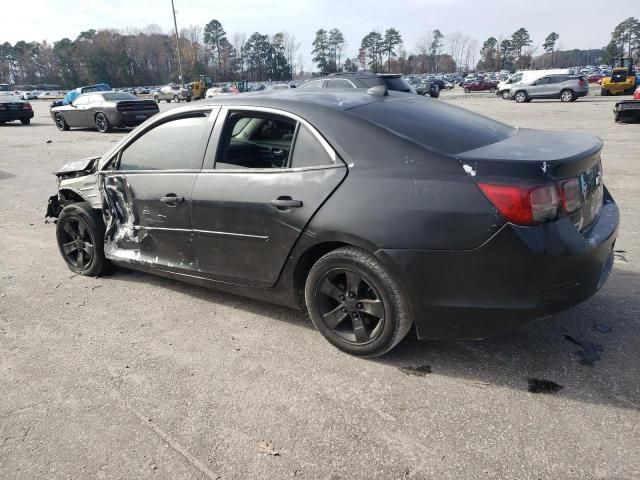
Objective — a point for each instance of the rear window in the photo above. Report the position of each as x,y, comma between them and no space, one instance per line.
111,97
9,99
397,84
437,125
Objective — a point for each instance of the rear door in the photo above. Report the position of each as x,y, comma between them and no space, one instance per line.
148,193
272,171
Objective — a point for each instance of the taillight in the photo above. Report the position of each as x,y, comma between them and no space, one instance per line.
571,198
26,106
524,205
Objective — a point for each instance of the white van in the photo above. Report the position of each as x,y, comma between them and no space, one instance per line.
526,77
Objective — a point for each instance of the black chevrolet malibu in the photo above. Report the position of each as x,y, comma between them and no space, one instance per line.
376,212
104,111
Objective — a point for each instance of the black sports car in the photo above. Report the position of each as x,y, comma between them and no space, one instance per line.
104,111
372,211
13,108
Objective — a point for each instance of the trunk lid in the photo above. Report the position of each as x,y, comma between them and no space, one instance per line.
538,157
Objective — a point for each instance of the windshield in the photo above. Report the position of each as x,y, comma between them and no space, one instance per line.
397,84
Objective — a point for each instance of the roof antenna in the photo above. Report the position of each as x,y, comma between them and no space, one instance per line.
379,90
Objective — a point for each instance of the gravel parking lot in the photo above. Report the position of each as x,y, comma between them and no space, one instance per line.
135,376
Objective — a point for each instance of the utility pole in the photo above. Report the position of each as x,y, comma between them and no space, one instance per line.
175,25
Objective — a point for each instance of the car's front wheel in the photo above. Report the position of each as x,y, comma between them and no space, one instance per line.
520,97
505,94
467,90
102,123
80,235
492,90
176,99
355,302
156,99
61,123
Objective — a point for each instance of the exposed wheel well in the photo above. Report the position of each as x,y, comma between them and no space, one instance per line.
306,261
67,197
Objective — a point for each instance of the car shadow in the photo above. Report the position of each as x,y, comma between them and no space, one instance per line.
589,353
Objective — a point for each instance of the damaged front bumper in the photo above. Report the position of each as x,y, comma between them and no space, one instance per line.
77,182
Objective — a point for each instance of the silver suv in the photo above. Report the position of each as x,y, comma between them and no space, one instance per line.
567,88
173,92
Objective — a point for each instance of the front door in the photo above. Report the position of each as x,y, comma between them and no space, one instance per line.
148,195
76,113
271,174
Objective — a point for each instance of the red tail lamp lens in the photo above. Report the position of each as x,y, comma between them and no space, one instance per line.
524,205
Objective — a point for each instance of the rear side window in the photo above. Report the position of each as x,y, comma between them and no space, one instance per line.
308,151
371,82
172,145
559,79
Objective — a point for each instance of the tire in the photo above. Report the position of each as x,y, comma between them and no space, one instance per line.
520,97
168,101
61,123
359,329
156,99
492,90
102,123
505,95
567,96
25,121
80,225
188,99
176,99
466,90
604,92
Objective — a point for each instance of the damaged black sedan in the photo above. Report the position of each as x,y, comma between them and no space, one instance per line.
369,209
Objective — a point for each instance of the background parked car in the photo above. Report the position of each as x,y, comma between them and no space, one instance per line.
480,86
428,88
567,88
104,111
174,92
393,82
13,108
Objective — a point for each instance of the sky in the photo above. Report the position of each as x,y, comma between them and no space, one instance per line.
580,23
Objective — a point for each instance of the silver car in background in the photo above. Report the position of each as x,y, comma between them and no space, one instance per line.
567,88
174,92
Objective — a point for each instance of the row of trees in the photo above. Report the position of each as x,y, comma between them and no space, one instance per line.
149,57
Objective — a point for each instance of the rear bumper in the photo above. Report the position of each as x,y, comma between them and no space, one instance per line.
520,274
7,116
131,118
627,110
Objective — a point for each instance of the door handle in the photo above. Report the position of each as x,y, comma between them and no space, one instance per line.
283,203
171,199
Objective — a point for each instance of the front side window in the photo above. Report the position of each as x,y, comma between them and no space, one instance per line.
172,145
81,100
255,140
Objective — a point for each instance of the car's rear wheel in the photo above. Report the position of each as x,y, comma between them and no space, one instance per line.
520,97
156,99
25,121
102,123
355,302
61,123
492,90
567,95
467,90
80,235
176,99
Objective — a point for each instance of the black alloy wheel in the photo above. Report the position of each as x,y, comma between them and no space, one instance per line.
102,123
350,306
61,123
77,243
80,235
356,303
